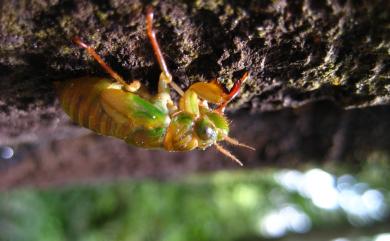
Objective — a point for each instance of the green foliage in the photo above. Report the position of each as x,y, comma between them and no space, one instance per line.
230,205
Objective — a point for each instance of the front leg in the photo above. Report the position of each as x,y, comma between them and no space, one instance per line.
164,94
214,93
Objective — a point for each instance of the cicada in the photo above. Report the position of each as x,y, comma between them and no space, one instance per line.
128,111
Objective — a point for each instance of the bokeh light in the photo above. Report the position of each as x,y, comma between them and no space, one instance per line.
6,152
361,203
289,218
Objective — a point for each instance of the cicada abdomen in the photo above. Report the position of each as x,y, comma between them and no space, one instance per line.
82,99
106,108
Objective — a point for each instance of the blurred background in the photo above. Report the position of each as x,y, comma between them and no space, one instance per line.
310,203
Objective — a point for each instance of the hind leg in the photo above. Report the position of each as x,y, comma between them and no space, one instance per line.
132,87
165,75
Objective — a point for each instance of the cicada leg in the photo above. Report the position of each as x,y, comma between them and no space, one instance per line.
214,93
165,76
233,92
132,87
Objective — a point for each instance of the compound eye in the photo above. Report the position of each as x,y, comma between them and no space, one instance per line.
205,130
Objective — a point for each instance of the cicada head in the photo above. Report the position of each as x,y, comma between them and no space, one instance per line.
210,128
187,131
213,127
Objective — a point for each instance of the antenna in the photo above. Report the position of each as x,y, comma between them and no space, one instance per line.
237,143
228,154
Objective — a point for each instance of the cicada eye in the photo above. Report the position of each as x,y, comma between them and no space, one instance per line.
205,130
221,124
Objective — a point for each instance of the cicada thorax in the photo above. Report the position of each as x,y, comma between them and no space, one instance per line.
193,128
81,100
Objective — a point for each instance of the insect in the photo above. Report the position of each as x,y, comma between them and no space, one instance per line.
113,107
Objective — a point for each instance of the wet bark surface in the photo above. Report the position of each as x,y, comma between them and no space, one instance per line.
319,86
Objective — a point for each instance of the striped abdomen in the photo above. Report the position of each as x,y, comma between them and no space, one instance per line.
81,100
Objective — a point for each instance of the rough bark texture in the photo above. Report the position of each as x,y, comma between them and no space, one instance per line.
319,87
